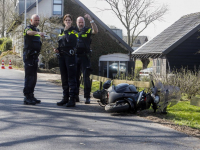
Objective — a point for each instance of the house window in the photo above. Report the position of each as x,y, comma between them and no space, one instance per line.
138,42
57,7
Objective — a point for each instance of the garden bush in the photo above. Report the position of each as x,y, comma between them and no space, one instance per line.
53,62
6,45
188,81
1,40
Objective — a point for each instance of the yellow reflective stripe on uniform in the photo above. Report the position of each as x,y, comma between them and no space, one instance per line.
84,35
26,31
72,32
61,34
76,35
37,35
88,31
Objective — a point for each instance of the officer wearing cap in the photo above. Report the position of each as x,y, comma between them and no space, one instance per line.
83,54
32,47
67,61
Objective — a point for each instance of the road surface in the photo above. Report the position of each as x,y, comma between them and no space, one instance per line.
47,126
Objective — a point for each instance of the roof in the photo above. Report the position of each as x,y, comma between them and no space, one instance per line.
140,40
104,26
170,38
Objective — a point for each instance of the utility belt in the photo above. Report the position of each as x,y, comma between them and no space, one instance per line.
69,52
33,53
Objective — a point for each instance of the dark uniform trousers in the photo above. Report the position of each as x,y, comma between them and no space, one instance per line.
30,67
83,65
68,74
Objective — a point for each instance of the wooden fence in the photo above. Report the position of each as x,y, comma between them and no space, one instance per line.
138,84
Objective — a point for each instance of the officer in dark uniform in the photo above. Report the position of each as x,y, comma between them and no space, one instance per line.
83,55
32,47
67,61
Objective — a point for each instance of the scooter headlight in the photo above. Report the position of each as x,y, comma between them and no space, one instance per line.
156,99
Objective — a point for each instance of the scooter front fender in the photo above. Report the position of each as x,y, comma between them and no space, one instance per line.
131,103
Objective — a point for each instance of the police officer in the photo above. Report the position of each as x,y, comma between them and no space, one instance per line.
67,61
83,53
32,47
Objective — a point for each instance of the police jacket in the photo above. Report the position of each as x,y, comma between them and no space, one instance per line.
32,42
84,40
67,39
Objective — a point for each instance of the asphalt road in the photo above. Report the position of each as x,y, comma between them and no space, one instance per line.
47,126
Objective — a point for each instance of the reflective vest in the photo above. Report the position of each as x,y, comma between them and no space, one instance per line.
67,39
32,42
84,40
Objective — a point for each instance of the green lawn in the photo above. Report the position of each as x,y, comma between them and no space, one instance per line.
95,86
184,114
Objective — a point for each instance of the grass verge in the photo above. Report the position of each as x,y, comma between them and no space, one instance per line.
184,114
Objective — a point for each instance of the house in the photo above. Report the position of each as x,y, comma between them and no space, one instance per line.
175,47
139,41
106,42
117,31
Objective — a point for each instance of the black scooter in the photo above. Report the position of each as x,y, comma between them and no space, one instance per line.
125,97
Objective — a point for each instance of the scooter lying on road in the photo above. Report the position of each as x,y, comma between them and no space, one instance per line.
125,97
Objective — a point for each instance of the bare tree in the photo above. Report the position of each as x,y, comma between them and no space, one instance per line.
136,16
4,12
7,14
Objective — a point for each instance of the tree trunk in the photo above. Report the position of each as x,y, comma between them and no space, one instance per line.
145,62
3,19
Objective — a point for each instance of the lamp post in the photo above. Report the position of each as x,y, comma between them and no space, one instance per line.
25,14
37,7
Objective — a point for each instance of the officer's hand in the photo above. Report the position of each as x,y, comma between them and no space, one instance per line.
56,50
88,17
42,34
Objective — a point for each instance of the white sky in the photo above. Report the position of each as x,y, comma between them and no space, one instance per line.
177,9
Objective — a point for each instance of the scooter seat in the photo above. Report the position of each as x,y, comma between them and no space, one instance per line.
125,88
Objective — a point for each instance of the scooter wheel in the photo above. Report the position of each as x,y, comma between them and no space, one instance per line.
117,108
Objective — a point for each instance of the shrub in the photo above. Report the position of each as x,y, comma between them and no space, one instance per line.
1,40
53,62
188,81
137,73
6,45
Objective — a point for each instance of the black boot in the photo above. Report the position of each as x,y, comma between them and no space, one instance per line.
35,99
87,101
63,101
28,100
77,98
72,102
